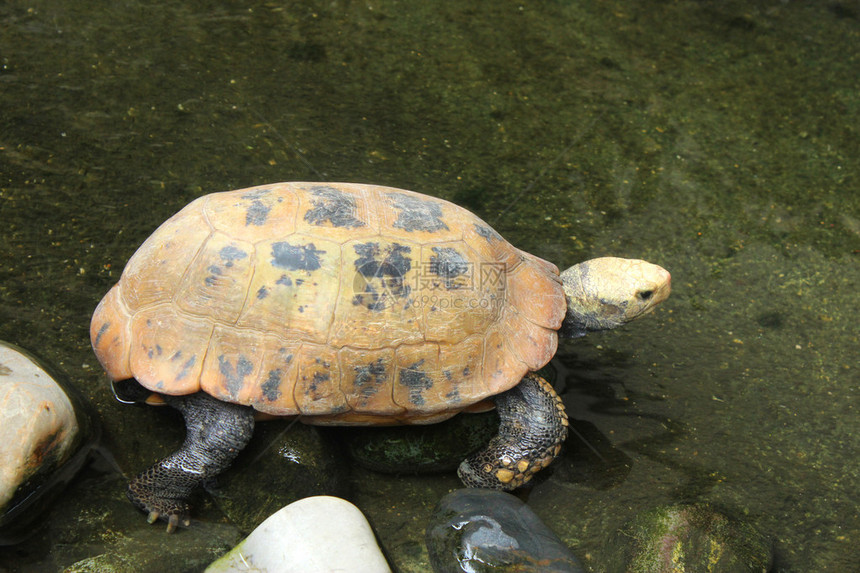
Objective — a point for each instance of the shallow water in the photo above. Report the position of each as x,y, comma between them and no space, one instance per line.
718,139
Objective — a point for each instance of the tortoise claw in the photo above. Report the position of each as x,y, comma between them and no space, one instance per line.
173,520
158,504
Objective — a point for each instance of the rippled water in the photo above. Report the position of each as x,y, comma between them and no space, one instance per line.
718,139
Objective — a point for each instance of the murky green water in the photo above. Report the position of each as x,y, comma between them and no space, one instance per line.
718,139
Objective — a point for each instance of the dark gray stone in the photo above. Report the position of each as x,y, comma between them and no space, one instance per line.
481,530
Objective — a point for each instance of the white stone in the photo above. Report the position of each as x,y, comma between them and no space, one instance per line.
37,418
320,534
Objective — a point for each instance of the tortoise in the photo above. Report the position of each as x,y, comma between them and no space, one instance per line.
349,304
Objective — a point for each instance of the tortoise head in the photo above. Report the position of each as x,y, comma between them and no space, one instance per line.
607,292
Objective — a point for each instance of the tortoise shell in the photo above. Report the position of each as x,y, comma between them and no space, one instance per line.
342,303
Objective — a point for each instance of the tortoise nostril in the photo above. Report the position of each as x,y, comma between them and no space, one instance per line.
644,294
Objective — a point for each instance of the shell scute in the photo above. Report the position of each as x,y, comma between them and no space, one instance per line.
293,289
317,390
375,298
168,349
215,283
420,218
339,212
461,369
367,378
110,333
253,214
419,386
457,295
279,370
500,365
535,290
533,344
153,274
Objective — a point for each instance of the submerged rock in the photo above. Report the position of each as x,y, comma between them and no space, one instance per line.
93,527
314,535
692,538
482,530
151,550
420,449
47,434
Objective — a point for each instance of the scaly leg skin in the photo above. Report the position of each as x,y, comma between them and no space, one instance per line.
216,432
532,429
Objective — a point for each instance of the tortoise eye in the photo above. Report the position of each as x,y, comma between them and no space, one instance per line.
644,294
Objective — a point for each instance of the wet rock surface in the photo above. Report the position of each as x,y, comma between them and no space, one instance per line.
480,530
47,435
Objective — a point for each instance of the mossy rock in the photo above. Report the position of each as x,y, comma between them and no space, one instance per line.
420,449
692,538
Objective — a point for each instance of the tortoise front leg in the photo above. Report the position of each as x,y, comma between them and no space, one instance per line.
216,432
532,429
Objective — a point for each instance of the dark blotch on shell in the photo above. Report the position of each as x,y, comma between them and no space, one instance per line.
256,194
257,213
296,257
382,271
393,263
231,253
487,232
212,279
334,206
235,377
271,387
369,377
417,214
101,332
318,378
186,368
416,380
447,263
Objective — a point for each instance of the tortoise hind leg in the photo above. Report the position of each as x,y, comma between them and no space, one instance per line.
216,432
533,426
